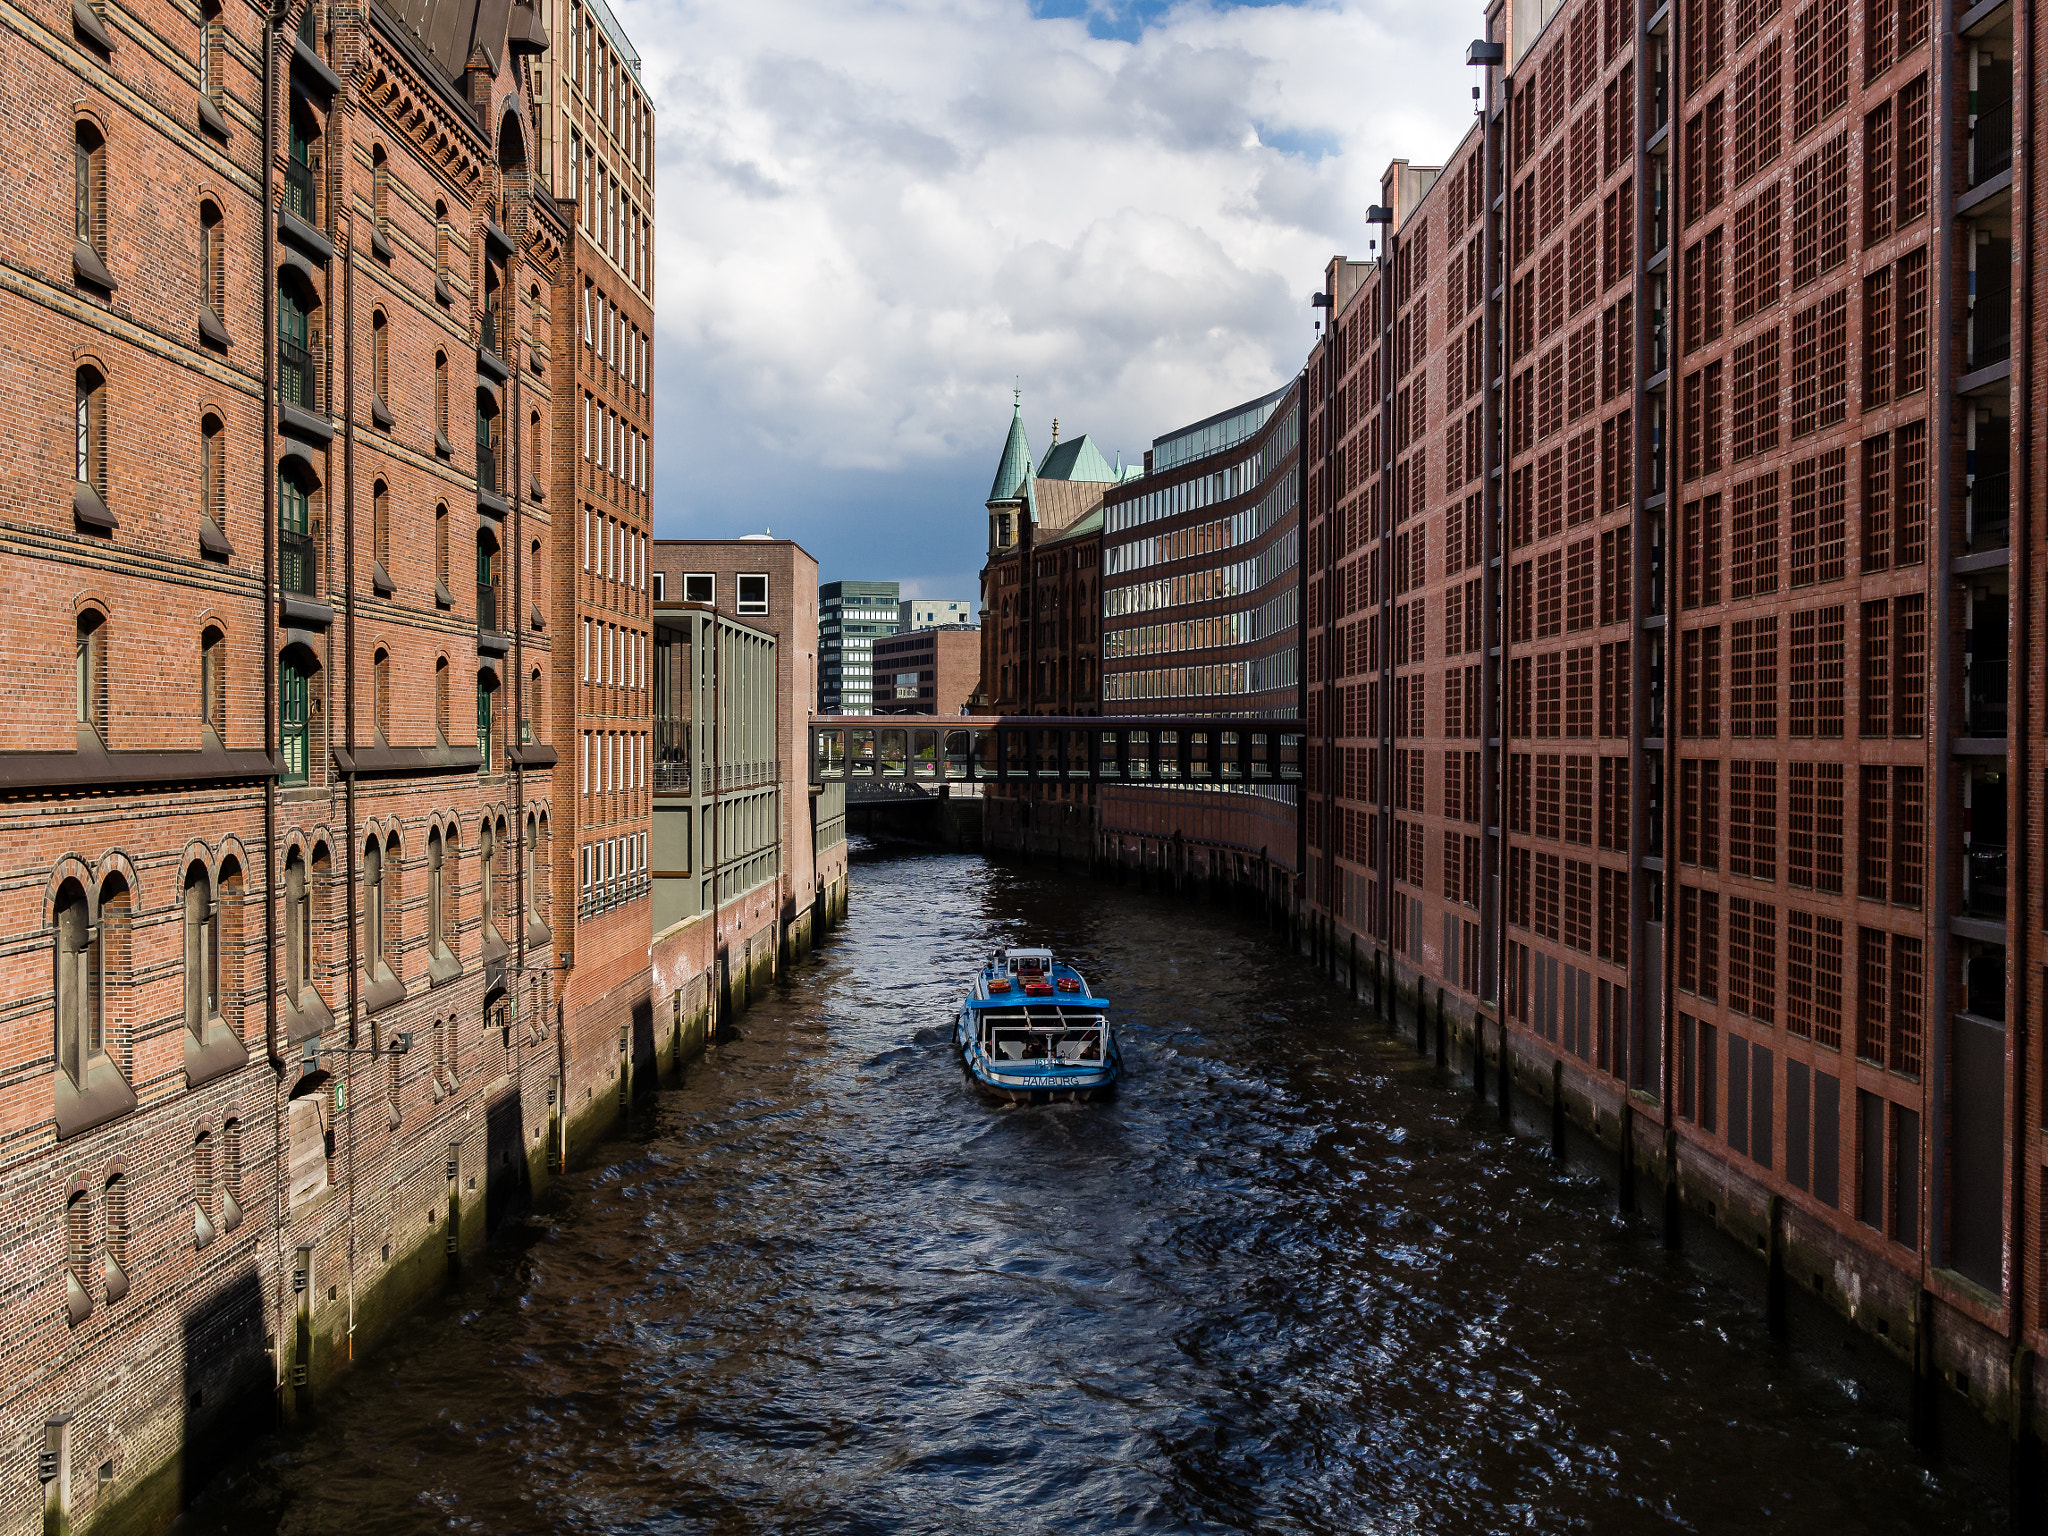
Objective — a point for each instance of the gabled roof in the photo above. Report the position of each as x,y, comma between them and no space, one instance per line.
1015,469
1077,459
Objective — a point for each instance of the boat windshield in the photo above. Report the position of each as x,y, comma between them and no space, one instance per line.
1072,1041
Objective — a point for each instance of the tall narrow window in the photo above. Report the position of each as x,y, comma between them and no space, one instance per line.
295,375
380,359
89,207
486,582
202,1190
441,233
487,852
89,456
441,404
298,927
380,171
90,677
380,534
202,952
80,1036
441,699
296,563
442,595
213,684
380,670
483,722
212,275
486,443
437,943
294,719
114,1264
373,906
213,481
300,195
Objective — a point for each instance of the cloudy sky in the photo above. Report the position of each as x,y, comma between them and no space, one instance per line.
876,214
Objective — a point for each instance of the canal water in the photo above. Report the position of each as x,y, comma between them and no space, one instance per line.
1287,1281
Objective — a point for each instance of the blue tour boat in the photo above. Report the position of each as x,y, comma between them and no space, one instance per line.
1032,1030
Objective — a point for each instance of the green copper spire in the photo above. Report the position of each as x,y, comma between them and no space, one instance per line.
1016,464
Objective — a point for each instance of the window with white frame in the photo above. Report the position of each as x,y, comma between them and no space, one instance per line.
753,594
700,587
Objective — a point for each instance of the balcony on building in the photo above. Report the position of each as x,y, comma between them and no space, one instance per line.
1987,501
1984,848
1986,651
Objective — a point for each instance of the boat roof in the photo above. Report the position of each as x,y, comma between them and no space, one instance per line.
1076,1001
1028,954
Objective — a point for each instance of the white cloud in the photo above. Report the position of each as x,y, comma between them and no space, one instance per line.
872,214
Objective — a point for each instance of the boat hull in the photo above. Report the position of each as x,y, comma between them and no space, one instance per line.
1015,1082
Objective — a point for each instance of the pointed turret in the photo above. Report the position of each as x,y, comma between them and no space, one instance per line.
1016,461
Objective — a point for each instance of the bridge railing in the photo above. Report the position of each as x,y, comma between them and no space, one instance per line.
1203,753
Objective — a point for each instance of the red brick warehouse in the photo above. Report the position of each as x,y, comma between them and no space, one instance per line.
1659,535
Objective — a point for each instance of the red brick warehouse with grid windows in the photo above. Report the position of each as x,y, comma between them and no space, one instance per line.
1660,587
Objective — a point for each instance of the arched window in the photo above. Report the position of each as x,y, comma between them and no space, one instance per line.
212,273
392,955
437,895
441,699
380,531
441,405
380,170
380,357
78,1256
213,472
202,952
213,683
202,1189
528,897
80,1029
114,1265
442,595
231,1175
298,927
373,905
441,290
89,254
380,669
487,855
89,418
536,706
90,678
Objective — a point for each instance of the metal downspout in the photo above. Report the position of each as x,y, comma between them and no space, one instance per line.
348,589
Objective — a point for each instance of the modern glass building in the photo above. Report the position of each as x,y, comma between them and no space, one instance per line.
852,615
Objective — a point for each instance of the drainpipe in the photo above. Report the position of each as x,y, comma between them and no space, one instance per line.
266,181
268,150
347,248
515,436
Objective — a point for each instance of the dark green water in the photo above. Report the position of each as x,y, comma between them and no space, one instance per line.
1287,1281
